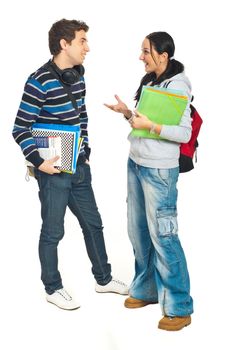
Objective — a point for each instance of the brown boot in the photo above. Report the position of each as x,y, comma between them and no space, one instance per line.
174,323
133,303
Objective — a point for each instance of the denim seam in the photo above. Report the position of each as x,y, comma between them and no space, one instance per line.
87,226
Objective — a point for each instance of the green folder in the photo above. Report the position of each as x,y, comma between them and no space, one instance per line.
161,106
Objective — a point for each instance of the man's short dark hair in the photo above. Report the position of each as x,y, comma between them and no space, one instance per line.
64,29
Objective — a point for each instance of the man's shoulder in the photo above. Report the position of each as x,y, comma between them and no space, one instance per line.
42,75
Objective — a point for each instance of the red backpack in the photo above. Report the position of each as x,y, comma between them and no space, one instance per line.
189,150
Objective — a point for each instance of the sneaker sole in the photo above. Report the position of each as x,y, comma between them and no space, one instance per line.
110,292
62,308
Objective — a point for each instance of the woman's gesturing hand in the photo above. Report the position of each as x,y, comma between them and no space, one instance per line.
119,107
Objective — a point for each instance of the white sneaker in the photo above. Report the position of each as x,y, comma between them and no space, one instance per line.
62,299
114,286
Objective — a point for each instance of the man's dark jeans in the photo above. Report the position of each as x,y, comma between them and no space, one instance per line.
56,192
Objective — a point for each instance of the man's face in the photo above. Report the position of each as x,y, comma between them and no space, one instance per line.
78,48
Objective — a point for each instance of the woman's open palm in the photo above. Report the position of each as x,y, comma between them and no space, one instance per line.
120,107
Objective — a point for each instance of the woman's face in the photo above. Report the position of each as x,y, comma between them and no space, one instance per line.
151,58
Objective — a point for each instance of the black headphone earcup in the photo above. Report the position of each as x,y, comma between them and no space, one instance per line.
67,76
70,76
80,69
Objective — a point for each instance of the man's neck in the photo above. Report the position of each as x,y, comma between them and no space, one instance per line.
61,62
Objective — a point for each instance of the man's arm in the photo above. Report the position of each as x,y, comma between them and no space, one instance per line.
29,110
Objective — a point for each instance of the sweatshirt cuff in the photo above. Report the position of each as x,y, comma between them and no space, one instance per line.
35,159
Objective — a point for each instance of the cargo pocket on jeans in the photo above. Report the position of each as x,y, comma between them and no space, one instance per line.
167,221
167,236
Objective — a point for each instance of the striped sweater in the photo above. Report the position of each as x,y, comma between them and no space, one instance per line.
45,101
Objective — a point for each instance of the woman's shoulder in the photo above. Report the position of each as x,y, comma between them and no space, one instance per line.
179,81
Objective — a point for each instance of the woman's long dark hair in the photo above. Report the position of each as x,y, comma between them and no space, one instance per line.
161,42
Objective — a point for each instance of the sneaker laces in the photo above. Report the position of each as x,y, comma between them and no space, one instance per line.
64,294
119,282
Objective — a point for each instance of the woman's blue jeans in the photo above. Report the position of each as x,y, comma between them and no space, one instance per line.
56,193
160,267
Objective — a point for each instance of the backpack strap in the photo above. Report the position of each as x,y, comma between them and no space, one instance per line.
165,85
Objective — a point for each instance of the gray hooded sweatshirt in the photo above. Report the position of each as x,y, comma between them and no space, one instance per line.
164,154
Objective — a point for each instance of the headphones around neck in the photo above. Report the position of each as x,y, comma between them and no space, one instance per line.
68,76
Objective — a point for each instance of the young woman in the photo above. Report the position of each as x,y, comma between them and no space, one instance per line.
161,274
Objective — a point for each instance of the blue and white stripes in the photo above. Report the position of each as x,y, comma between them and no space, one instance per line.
45,101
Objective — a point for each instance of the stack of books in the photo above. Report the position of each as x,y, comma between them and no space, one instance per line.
58,140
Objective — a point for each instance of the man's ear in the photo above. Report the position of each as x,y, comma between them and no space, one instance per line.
63,44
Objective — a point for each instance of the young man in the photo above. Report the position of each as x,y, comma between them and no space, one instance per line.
55,94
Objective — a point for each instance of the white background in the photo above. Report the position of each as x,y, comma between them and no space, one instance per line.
202,34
